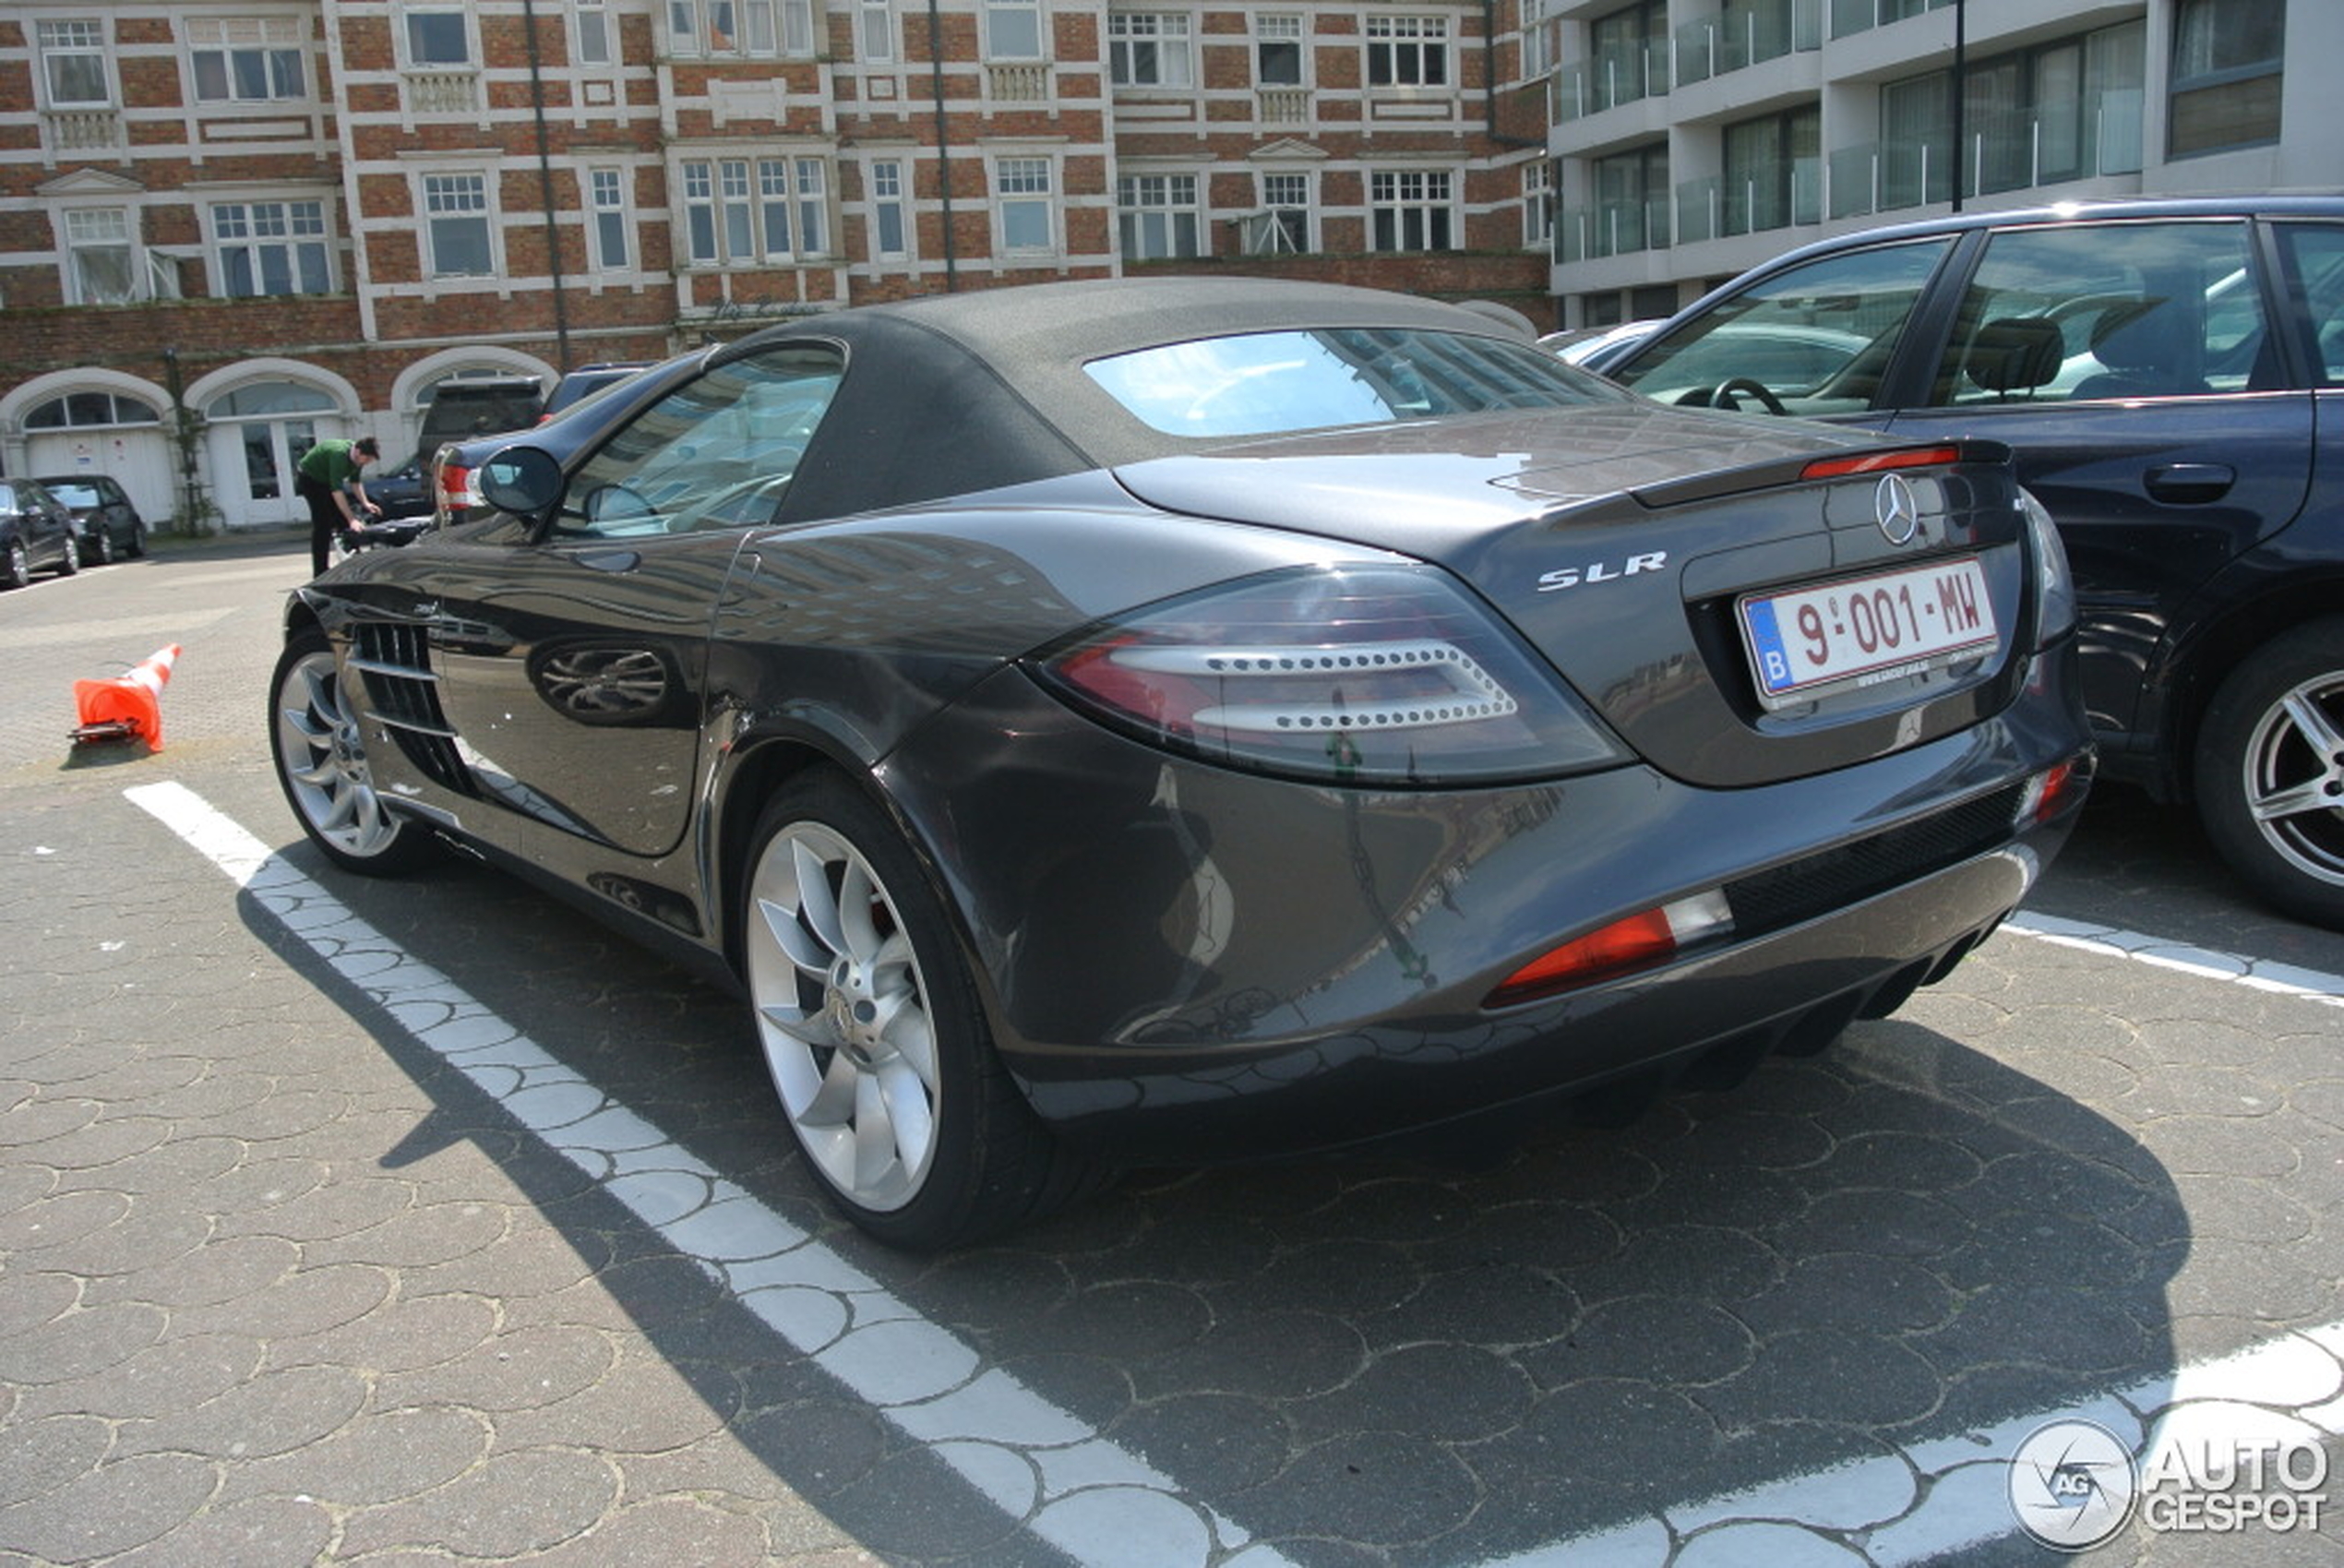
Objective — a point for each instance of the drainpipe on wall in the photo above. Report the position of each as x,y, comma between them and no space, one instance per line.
546,188
943,143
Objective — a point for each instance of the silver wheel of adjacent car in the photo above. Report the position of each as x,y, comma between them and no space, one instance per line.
17,568
322,762
867,1013
2272,771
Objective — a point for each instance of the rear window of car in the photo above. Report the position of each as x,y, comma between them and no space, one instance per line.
1268,383
77,494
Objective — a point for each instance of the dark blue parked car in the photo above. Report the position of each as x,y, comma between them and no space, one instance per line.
2162,370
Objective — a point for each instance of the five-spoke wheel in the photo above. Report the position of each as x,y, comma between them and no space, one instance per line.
2270,771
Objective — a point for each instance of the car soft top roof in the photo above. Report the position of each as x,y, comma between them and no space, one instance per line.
1002,368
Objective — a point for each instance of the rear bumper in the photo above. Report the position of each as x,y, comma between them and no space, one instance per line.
1185,963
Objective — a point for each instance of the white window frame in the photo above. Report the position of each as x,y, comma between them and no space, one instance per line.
275,48
1413,51
591,26
875,30
1278,189
1159,217
1538,39
412,59
754,212
609,222
1030,14
293,228
1538,204
1281,27
890,184
84,39
752,30
84,233
1023,182
1417,202
443,198
1150,49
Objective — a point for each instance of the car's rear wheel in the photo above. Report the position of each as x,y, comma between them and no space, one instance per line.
321,753
69,560
874,1035
2270,771
104,537
138,541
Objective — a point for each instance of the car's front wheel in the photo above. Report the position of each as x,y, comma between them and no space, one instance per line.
317,738
2270,771
15,565
873,1032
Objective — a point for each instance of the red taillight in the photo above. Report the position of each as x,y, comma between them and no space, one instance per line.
1640,941
455,484
1876,462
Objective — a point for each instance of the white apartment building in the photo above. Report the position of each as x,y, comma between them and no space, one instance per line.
1694,140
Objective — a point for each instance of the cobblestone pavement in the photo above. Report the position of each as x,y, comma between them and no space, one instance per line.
428,1222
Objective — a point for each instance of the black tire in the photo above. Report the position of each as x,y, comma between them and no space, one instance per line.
138,541
2270,772
316,740
15,565
105,546
874,1035
70,562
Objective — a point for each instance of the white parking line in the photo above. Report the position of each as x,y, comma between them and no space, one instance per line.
2262,974
1040,1465
1102,1505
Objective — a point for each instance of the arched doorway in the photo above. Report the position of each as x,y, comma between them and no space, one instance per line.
117,434
255,434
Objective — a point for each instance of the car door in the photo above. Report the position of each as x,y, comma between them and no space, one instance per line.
570,656
2135,368
38,520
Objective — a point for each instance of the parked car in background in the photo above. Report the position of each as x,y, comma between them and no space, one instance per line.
109,525
480,405
585,381
37,534
1590,345
1174,718
2165,372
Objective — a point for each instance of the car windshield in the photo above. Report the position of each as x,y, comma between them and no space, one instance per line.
1267,383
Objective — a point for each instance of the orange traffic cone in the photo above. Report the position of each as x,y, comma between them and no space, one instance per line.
126,707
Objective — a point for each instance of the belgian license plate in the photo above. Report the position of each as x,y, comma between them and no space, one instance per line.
1867,627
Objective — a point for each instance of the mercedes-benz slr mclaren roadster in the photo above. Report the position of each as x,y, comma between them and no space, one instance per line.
1191,719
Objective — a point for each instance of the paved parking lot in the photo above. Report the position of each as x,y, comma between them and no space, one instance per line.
428,1221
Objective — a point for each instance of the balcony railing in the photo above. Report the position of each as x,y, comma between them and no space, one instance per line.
443,92
1747,35
1611,228
1775,195
1283,106
84,130
1611,78
2050,145
1862,16
1020,81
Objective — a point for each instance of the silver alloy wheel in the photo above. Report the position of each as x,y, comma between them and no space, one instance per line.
843,1016
19,564
333,787
2294,776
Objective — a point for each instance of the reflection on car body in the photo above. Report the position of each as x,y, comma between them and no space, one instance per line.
2161,369
1087,737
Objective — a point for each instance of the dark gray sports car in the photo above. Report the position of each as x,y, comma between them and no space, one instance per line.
1189,719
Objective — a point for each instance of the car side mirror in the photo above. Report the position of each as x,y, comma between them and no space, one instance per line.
524,481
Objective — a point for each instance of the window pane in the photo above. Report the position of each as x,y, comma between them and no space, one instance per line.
437,38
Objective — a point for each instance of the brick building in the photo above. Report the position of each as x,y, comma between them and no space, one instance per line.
229,229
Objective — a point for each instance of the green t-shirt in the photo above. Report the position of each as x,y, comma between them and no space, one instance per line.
329,463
